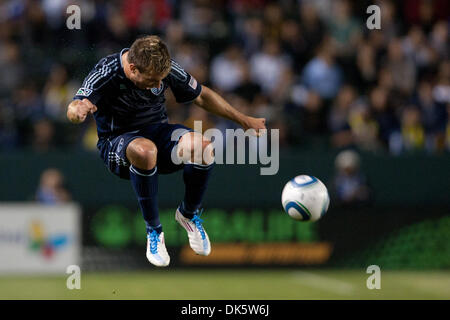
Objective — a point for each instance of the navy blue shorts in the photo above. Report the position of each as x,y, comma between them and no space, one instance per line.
113,149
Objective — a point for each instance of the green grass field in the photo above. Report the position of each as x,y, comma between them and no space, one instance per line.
286,284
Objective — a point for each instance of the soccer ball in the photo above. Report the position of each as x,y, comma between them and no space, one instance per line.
305,198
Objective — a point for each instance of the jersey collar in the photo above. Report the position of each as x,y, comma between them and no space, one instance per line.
120,60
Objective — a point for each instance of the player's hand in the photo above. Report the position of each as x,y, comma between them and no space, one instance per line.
79,109
258,124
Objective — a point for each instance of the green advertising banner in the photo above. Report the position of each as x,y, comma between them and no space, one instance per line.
348,238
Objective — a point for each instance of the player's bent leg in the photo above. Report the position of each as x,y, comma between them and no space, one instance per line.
194,148
142,155
198,157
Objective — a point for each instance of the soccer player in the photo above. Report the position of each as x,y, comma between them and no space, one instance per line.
125,93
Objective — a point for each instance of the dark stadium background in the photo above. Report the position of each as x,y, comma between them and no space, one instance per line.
366,111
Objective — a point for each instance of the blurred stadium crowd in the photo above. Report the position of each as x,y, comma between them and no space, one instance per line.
312,68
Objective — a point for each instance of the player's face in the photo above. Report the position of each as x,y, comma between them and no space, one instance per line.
148,80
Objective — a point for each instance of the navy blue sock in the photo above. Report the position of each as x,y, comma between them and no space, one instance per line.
145,184
196,180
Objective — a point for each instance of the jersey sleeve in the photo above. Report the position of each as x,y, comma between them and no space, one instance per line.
184,86
94,85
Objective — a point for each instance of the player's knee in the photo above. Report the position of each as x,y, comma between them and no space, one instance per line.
208,152
193,147
142,153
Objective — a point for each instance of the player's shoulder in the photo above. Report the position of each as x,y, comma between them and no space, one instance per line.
109,64
184,86
104,70
177,72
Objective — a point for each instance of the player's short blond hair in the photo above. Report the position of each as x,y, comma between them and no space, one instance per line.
150,53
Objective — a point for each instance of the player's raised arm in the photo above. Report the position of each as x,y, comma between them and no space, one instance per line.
79,109
214,103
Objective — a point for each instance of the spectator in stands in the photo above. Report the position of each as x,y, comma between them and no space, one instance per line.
385,79
58,92
412,130
294,58
322,74
439,38
227,69
43,138
198,17
312,26
441,90
306,113
248,89
27,102
433,116
383,114
250,35
273,20
344,29
89,137
364,127
51,189
416,48
349,185
13,70
366,65
174,36
339,128
293,42
402,68
269,67
389,21
193,58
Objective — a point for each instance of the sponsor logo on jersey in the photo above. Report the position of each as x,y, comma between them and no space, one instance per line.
84,92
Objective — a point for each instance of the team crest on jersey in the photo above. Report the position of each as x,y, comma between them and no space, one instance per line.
84,92
157,91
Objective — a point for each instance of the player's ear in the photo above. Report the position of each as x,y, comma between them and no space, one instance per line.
133,68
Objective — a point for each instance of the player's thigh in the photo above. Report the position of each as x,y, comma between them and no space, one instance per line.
113,152
166,141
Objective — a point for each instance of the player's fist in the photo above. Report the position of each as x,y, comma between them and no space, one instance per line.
258,124
79,109
85,107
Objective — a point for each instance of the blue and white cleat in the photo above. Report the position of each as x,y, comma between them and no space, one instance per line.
156,249
198,238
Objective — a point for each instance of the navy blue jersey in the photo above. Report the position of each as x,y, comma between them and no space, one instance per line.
123,107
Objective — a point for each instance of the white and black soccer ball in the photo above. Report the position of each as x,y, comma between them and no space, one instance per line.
305,198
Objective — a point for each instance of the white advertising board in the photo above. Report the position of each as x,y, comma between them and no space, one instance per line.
38,238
